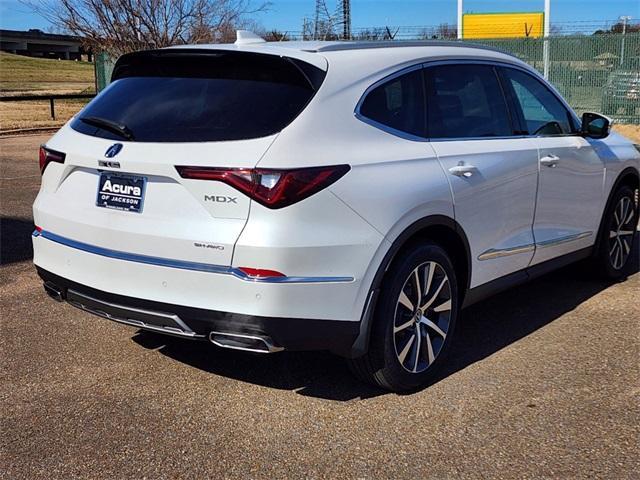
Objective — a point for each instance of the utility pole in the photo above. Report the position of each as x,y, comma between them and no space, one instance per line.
459,19
624,19
346,19
545,48
316,22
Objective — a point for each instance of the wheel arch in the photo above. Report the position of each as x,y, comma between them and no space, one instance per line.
441,229
630,177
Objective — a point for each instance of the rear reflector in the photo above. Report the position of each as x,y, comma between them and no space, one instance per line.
272,188
46,156
260,272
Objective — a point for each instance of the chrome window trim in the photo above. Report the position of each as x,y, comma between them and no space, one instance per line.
182,264
425,64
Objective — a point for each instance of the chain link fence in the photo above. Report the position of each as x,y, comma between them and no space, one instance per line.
599,73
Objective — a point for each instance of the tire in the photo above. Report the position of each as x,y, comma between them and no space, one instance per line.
410,339
618,235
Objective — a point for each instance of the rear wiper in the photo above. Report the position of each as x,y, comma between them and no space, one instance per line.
113,127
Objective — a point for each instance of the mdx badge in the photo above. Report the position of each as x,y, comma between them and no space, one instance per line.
220,199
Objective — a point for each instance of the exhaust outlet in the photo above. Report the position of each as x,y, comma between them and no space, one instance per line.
246,343
54,291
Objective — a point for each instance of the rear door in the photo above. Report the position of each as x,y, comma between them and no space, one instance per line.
570,188
119,189
492,173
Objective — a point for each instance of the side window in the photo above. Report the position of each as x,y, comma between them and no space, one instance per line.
398,104
542,112
466,101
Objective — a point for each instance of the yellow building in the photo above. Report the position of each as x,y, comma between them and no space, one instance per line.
503,25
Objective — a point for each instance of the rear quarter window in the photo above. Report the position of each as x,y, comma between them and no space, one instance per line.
197,97
398,104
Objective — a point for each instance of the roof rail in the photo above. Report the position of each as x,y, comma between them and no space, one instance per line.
358,45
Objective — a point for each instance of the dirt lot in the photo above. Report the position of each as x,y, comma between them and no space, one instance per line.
630,131
544,382
14,115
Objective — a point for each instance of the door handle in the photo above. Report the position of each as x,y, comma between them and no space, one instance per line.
550,161
463,170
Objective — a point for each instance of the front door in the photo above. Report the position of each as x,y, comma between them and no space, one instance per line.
571,173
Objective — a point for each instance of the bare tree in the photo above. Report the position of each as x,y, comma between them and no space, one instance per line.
275,36
371,34
120,26
444,30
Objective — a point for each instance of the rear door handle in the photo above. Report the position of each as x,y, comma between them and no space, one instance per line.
463,170
550,161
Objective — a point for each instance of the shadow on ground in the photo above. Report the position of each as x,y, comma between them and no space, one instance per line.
15,240
484,329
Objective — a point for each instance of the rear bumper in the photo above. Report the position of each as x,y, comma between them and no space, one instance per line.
215,288
197,323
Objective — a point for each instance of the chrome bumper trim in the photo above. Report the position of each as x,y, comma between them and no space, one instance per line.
181,264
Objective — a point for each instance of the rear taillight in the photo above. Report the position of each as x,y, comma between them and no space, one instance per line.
46,156
272,188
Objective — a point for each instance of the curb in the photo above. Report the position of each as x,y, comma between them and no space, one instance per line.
27,131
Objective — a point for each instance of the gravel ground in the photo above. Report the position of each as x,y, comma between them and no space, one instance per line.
544,382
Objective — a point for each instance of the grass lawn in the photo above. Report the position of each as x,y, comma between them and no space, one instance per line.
21,75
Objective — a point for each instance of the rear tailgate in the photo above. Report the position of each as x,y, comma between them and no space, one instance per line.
165,108
180,219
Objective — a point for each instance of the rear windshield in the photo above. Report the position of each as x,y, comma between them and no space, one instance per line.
199,96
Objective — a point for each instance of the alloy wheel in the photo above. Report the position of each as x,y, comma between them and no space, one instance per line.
422,317
621,232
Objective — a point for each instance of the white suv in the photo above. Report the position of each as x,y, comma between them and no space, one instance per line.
350,197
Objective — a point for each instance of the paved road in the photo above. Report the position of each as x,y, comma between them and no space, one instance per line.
544,382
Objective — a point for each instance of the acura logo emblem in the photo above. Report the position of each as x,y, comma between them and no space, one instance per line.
113,150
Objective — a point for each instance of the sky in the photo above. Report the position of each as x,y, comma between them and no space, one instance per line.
287,15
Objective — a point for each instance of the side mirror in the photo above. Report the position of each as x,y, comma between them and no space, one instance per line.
595,125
